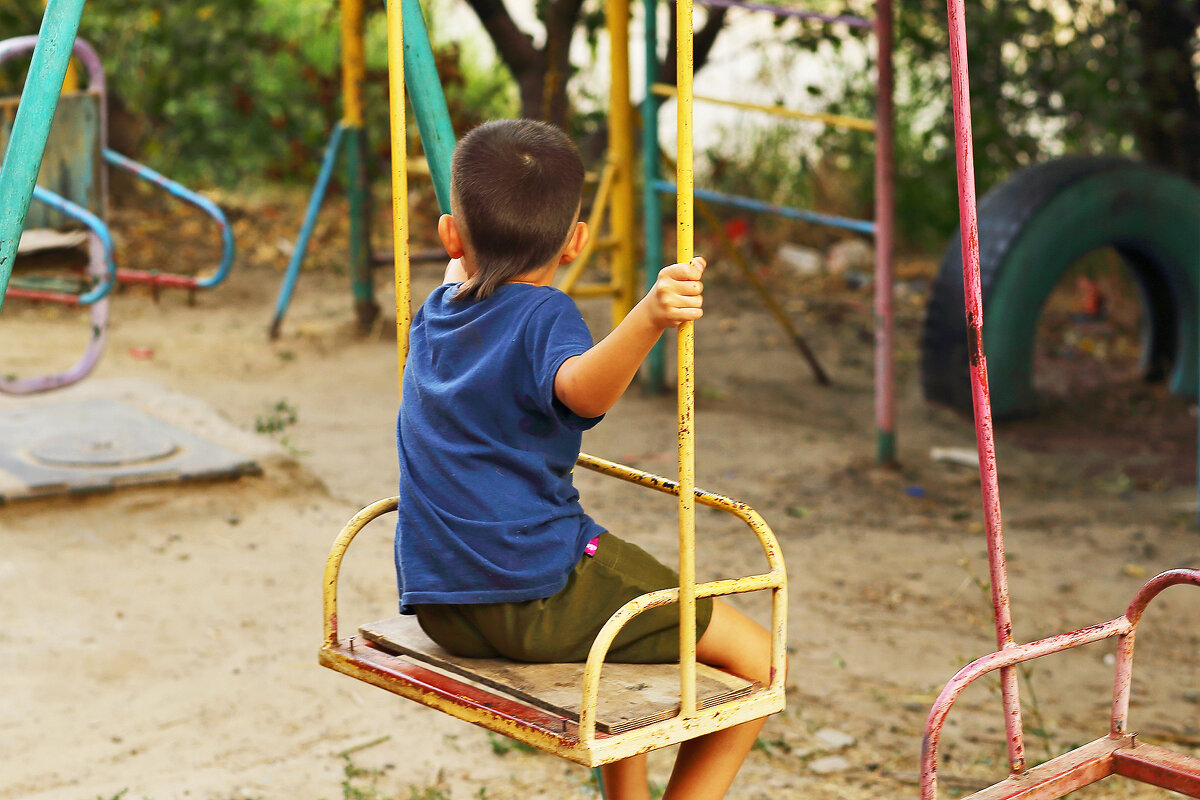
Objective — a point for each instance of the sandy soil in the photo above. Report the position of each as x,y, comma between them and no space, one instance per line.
160,642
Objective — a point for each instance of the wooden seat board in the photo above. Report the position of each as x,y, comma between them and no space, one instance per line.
631,695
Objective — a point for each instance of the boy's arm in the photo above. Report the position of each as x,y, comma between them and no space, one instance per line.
591,383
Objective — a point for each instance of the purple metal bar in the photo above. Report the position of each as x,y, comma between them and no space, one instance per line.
781,11
90,59
984,435
885,212
98,264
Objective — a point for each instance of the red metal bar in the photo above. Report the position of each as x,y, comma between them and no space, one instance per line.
46,296
157,279
1159,767
984,436
885,211
366,657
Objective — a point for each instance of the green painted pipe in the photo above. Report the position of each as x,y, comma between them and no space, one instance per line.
428,101
27,143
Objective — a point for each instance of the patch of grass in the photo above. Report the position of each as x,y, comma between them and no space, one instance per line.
280,416
353,775
502,745
431,793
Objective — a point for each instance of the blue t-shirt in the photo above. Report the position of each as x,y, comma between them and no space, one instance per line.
488,511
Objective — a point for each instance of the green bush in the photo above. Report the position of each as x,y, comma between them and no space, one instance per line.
222,91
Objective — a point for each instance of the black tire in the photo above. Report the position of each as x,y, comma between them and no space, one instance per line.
1032,228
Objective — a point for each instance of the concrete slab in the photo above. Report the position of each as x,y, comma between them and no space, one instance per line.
116,435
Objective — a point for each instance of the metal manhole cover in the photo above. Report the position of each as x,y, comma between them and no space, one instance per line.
103,449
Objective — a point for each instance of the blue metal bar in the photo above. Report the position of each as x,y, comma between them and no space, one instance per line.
830,220
781,11
65,206
428,101
310,219
188,196
27,143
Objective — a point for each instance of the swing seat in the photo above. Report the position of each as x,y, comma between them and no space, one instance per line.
631,695
592,713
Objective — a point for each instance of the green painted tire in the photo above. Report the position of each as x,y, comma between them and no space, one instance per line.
1032,228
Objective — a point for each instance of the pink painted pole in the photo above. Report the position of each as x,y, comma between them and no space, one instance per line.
885,212
1124,671
984,436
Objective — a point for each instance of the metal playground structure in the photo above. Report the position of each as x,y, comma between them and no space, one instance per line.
580,728
77,169
881,228
613,200
1119,752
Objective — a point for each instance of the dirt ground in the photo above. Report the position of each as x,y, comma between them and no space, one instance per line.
160,642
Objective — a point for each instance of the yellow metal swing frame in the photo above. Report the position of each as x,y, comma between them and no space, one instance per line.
578,739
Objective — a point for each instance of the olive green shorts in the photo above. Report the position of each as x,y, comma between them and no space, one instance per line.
560,628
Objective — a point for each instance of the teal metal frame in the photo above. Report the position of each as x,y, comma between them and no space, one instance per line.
437,138
39,99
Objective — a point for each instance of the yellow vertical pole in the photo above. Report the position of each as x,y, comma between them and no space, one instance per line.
684,67
620,131
399,126
354,67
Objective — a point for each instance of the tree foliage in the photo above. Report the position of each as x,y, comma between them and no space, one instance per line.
1047,78
224,90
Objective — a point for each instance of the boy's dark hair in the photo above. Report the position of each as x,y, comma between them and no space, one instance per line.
515,188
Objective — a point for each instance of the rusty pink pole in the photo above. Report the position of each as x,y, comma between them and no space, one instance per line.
885,212
984,437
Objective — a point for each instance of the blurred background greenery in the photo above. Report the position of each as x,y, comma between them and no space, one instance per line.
226,92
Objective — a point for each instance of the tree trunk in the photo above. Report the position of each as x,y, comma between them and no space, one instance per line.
542,74
1169,133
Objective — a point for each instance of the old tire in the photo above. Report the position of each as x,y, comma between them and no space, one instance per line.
1032,228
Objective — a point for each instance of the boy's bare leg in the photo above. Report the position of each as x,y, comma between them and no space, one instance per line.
705,767
626,779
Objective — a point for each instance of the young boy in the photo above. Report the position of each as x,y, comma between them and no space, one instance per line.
493,552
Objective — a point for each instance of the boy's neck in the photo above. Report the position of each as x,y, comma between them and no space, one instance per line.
542,276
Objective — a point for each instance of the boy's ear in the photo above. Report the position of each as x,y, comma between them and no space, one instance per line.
449,234
576,244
